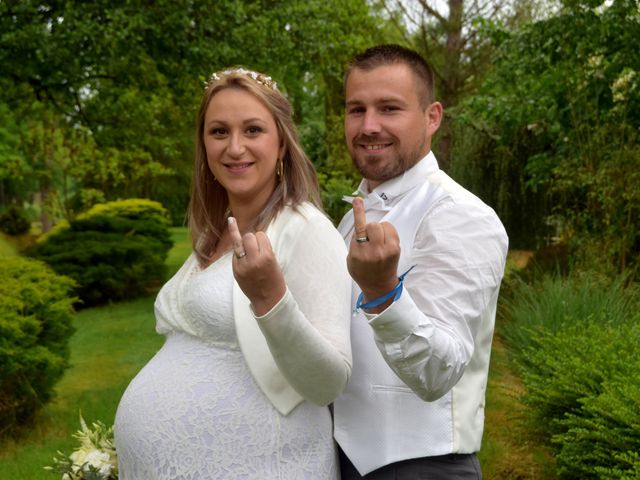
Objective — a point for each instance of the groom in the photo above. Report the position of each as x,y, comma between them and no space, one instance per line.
414,406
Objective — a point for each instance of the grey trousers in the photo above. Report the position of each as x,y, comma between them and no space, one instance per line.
445,467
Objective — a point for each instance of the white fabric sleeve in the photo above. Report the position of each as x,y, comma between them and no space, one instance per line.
428,335
308,329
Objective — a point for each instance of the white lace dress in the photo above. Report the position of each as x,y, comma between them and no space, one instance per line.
195,411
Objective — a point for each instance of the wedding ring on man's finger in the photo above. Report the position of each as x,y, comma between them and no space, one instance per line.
241,255
362,239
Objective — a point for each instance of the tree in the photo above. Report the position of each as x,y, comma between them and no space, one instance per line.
129,75
449,35
559,117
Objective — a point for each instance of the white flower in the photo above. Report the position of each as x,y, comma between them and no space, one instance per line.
78,457
95,457
99,460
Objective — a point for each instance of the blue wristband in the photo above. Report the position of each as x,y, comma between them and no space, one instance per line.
395,294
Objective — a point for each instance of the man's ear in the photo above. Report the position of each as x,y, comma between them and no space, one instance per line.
433,116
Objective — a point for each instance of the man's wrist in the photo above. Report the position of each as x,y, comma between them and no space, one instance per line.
379,290
375,304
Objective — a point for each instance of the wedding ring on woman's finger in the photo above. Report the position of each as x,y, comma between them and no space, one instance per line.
241,255
362,239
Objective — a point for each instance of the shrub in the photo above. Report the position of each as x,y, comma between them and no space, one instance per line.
575,344
35,326
550,303
561,369
114,251
14,221
602,440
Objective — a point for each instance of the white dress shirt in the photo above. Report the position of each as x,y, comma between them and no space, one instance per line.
420,367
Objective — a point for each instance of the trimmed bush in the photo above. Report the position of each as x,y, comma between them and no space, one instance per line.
14,221
114,251
35,326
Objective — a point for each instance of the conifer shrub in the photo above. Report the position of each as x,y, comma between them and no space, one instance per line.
115,251
36,316
603,439
575,342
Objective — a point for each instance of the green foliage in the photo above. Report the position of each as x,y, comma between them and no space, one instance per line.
114,86
132,209
12,161
575,344
629,470
554,132
603,440
14,221
332,190
114,251
551,303
35,327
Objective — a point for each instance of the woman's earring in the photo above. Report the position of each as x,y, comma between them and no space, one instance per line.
279,168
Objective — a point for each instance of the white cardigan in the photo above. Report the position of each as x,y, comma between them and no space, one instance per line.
300,350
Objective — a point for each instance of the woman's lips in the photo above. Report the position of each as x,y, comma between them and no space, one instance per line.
237,167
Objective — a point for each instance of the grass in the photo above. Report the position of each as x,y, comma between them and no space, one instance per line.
180,251
7,245
509,451
113,342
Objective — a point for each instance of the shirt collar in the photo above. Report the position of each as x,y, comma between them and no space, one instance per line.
385,193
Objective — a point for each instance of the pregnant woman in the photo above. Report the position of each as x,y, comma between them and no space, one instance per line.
256,320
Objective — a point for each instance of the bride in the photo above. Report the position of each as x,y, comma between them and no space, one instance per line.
256,320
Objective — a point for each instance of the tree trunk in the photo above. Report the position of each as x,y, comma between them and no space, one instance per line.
451,79
45,217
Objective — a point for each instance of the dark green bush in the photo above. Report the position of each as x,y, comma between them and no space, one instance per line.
115,251
602,440
575,342
35,325
14,221
630,468
561,369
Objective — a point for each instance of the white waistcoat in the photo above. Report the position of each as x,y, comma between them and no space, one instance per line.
378,419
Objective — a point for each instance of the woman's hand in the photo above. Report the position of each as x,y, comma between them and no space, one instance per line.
256,269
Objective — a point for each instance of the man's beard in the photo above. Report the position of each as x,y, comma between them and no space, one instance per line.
379,173
390,169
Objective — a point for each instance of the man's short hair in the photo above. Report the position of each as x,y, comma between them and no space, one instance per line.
390,54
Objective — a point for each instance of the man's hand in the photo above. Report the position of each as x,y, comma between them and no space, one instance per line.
256,269
373,257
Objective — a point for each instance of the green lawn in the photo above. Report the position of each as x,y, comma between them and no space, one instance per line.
110,345
7,247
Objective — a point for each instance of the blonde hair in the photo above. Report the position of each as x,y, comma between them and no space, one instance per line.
209,204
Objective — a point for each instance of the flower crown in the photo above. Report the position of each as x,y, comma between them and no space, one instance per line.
261,78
